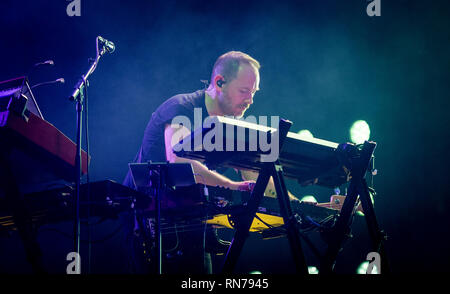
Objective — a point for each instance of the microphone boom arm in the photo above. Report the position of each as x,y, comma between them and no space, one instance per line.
60,80
91,69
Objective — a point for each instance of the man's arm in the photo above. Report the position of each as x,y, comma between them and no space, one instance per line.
172,135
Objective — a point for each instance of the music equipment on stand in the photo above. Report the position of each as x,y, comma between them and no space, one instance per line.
266,170
177,201
155,179
308,160
34,154
107,200
268,217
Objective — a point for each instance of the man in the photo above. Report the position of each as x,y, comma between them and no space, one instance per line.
234,82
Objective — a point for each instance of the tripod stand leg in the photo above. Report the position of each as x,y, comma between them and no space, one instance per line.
245,223
243,227
340,230
342,227
289,221
376,235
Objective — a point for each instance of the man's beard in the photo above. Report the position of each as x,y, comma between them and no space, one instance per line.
225,106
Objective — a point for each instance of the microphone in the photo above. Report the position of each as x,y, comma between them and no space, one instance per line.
36,65
31,70
47,62
110,47
60,80
106,46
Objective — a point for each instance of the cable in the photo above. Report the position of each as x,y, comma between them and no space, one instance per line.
176,242
58,186
311,221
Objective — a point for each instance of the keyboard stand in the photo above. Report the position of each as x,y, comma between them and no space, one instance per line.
20,212
245,218
358,162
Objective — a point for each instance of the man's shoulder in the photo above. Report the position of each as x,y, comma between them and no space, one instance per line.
188,100
181,104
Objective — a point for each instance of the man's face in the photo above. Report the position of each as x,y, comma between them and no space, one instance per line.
237,95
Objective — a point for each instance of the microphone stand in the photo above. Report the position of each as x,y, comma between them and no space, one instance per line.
78,97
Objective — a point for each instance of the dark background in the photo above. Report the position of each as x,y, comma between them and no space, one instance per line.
325,64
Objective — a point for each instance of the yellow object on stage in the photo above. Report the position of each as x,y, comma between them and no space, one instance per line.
257,225
265,221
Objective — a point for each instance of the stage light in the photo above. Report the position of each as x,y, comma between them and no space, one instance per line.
312,270
305,134
359,132
308,198
362,268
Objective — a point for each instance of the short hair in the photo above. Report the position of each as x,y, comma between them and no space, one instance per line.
228,64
